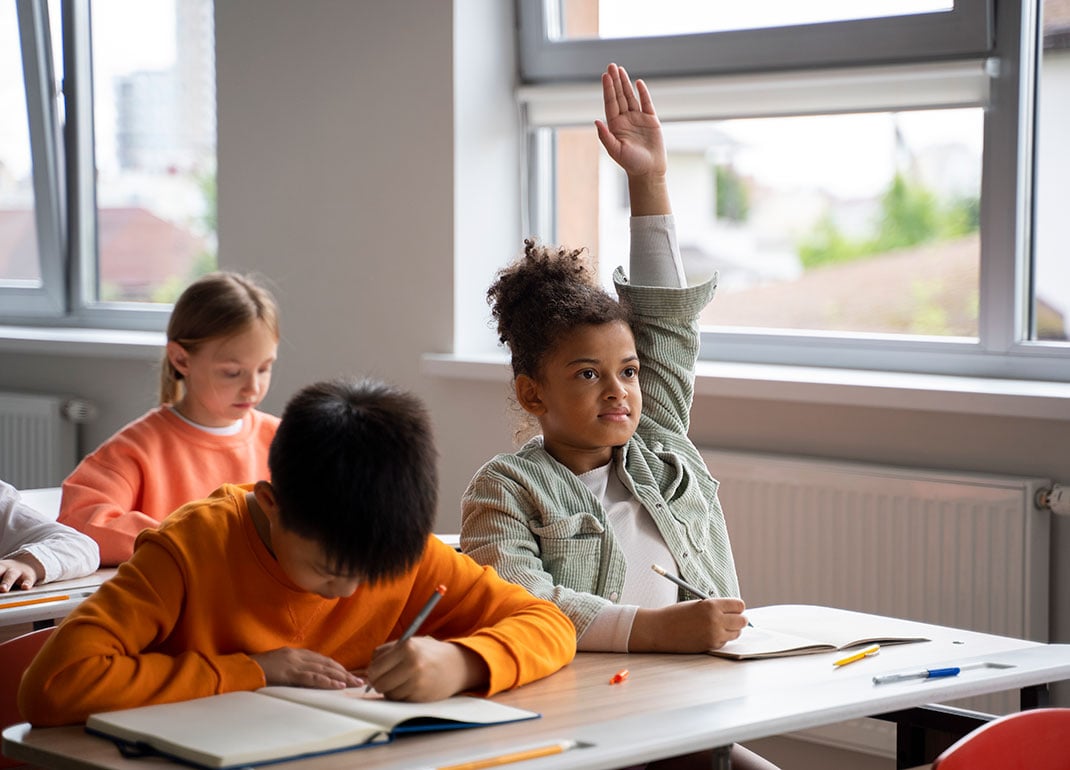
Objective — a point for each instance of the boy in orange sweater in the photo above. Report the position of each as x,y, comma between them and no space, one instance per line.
307,580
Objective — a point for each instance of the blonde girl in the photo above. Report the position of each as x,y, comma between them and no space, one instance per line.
222,340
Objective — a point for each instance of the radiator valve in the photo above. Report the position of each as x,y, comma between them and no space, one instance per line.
1056,499
79,410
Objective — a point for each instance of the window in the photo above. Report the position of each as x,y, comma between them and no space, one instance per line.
107,185
1051,267
863,193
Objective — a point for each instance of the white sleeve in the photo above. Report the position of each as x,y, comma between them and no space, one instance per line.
655,254
63,552
609,631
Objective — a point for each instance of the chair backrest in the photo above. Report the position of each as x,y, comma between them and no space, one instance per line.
15,657
1035,739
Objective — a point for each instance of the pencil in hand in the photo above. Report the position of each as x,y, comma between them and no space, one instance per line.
682,583
418,621
685,585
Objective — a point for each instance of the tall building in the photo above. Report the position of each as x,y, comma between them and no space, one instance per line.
165,120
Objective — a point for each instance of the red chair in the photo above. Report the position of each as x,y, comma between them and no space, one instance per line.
15,656
1033,740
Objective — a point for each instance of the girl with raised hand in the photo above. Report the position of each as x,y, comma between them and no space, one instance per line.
613,484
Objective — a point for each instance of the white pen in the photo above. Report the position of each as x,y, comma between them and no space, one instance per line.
926,673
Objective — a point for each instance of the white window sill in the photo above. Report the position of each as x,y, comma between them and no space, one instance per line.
112,343
844,387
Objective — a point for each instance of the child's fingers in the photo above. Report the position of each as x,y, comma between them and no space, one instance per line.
627,93
609,97
614,87
646,102
730,605
608,139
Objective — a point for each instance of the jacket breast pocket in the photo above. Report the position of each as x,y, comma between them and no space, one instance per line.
572,550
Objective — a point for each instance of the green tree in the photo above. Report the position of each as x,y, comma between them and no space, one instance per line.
910,214
733,199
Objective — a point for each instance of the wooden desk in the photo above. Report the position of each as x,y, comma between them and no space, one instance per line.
76,588
669,705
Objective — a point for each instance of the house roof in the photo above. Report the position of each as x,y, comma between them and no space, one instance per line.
929,290
139,251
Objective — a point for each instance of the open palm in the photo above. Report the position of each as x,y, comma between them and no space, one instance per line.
631,132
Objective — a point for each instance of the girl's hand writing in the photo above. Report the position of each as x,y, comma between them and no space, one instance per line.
696,626
304,668
425,669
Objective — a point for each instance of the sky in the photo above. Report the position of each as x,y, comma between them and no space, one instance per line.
116,52
626,18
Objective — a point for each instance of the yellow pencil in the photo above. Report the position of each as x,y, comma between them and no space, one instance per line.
28,602
871,650
515,756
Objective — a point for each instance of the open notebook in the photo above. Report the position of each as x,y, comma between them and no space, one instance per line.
275,724
799,629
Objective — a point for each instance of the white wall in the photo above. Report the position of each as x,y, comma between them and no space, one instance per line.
339,180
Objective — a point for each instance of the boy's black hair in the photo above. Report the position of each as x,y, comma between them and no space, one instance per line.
354,468
542,296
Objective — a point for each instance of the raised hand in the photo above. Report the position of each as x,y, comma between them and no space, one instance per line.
631,132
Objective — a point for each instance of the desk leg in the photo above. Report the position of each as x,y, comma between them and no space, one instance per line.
1035,697
923,732
722,758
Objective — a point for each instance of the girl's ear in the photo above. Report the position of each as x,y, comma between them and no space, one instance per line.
528,395
179,357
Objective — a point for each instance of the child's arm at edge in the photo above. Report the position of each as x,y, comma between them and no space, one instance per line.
632,137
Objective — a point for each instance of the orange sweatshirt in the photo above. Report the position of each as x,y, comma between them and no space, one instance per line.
152,467
201,593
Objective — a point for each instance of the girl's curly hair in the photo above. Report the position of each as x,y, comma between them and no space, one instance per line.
542,296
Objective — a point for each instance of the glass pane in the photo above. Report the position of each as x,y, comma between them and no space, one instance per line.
848,223
1051,276
642,18
19,251
154,121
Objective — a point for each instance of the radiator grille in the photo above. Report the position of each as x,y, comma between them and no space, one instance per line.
38,443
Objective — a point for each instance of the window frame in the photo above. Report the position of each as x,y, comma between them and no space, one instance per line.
1002,348
965,31
64,184
46,157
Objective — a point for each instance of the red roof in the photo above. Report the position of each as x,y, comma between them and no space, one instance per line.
139,250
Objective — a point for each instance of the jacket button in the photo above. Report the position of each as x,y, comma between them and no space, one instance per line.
613,596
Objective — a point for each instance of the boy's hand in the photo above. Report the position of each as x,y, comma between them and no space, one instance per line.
304,668
425,669
631,132
21,571
695,626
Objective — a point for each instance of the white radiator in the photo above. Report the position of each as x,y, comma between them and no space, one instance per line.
39,438
957,549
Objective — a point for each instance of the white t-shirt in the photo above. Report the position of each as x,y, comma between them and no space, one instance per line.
643,546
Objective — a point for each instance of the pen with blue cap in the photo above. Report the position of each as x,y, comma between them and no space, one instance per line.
926,673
